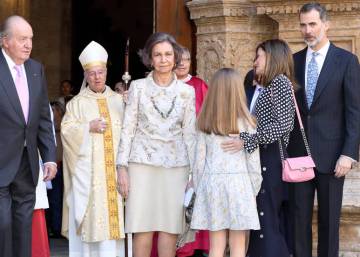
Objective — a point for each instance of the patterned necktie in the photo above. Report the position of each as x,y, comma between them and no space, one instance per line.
22,90
312,78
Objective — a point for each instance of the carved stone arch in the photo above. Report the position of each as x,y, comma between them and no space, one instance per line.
210,56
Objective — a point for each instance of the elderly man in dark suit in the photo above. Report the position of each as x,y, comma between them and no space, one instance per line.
328,99
25,128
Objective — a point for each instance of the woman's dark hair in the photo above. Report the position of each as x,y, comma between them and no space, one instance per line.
279,60
154,39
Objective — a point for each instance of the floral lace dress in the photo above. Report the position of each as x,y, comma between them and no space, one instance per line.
226,186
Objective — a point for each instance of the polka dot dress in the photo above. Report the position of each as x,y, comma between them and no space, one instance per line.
275,113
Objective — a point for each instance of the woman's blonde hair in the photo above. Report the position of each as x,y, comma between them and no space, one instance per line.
224,105
279,60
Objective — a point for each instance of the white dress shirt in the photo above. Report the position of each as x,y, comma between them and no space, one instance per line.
320,59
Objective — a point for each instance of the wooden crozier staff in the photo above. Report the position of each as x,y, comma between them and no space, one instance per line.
126,78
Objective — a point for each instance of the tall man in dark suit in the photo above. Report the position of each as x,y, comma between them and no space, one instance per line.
329,102
25,128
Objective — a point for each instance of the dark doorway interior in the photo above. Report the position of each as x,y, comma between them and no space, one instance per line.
109,23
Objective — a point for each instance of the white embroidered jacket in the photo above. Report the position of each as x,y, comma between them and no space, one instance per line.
159,124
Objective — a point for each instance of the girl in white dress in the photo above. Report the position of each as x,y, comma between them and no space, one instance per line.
226,183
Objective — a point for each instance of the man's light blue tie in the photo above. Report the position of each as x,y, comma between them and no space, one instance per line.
312,78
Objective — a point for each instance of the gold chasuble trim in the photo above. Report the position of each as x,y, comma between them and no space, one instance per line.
110,172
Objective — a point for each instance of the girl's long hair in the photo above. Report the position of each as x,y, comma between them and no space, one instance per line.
224,105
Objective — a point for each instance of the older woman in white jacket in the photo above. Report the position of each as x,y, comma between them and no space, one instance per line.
156,148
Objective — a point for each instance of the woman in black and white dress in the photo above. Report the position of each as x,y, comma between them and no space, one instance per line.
275,114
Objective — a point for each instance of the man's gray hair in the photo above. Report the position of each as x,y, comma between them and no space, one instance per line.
317,7
5,28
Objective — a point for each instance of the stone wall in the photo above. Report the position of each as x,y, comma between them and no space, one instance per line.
228,32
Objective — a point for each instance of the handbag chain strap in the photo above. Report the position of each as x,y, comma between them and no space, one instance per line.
301,129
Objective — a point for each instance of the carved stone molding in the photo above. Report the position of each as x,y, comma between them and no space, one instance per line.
227,34
208,9
210,55
287,7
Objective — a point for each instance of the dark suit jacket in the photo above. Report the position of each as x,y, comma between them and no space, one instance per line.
332,124
13,129
249,87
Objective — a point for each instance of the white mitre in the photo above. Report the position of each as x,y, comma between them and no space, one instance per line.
93,55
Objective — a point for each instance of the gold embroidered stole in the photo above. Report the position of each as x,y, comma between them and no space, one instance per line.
113,211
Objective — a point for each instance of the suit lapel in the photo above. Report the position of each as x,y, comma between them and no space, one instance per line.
329,67
7,82
300,70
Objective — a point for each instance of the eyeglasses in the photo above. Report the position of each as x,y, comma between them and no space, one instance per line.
100,73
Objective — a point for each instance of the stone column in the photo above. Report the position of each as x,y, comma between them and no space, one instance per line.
227,34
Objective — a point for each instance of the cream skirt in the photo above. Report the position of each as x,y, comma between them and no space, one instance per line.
155,201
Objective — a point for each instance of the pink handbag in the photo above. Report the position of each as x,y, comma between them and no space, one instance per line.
298,169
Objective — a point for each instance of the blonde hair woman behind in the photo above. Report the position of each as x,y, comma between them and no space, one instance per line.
226,184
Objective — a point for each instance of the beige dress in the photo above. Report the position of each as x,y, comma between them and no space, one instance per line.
157,145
